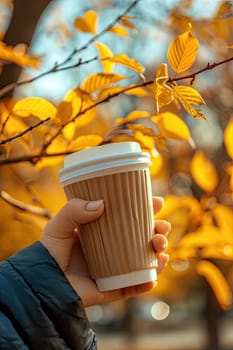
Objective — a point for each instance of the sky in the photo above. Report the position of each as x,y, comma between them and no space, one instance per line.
150,19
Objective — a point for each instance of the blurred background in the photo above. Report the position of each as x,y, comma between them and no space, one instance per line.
191,308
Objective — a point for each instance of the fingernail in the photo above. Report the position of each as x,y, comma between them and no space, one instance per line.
94,205
160,198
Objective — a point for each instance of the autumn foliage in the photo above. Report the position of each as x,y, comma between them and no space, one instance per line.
36,134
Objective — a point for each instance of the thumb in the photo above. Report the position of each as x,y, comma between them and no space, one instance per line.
76,211
58,235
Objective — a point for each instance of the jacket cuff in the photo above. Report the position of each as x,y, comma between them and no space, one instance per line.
48,282
43,274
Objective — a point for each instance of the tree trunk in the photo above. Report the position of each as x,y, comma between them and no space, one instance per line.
25,17
212,319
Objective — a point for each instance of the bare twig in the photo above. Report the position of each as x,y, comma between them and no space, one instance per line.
22,133
53,70
32,157
32,209
4,124
60,66
170,80
206,68
7,88
106,29
43,153
191,76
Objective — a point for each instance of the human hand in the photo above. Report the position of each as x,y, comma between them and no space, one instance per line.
60,237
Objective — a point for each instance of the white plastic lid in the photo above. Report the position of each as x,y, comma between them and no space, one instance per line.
103,160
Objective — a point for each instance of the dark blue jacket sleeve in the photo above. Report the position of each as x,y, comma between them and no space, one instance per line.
38,307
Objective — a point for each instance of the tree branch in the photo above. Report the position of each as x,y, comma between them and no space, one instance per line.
60,66
206,68
22,133
32,157
106,29
109,97
27,12
43,153
188,76
29,208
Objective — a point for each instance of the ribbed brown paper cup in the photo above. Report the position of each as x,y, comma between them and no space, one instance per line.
117,246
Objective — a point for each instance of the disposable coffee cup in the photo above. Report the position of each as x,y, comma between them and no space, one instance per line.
117,246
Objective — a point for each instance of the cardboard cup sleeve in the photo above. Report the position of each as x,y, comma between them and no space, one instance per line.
118,245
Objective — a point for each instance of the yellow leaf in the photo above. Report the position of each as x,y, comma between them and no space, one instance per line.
224,218
156,164
108,92
132,116
143,135
11,124
5,110
204,172
146,142
224,10
105,52
68,131
15,125
220,252
137,91
65,108
125,60
48,162
86,141
87,23
98,81
183,255
217,281
119,30
118,133
89,116
59,145
73,104
206,235
125,21
116,90
11,54
162,73
182,52
143,129
174,204
189,96
35,106
220,28
163,93
123,138
228,138
171,126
